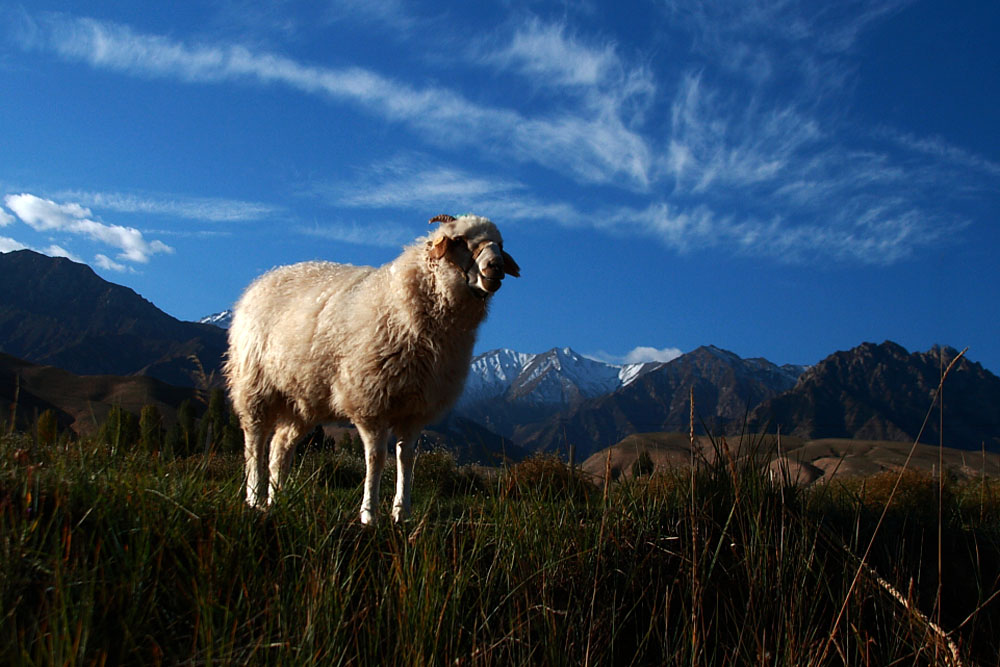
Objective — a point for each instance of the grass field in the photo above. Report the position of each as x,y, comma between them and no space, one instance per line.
115,556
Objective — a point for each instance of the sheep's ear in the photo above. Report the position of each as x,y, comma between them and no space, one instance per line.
438,248
510,267
444,217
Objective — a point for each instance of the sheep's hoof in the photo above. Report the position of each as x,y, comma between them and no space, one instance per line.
256,504
367,518
400,514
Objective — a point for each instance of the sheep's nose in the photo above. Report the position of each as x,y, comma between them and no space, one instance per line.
494,268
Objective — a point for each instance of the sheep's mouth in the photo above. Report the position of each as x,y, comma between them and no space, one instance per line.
484,287
491,284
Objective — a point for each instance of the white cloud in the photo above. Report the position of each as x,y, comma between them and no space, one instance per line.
638,355
106,263
46,215
645,354
58,251
8,244
5,218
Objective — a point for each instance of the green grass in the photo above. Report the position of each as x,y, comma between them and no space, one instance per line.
119,557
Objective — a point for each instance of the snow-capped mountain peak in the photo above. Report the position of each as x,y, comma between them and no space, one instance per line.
559,376
491,374
221,319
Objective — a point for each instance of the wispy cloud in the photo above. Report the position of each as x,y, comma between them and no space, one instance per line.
763,40
599,100
940,149
191,208
547,51
408,182
45,215
867,229
369,232
591,147
716,138
394,14
412,182
751,156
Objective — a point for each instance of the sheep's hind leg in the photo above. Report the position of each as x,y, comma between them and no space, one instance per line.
255,463
375,441
286,435
405,455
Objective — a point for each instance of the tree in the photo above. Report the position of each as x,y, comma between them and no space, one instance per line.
173,441
232,435
643,465
211,431
121,428
150,429
186,422
47,427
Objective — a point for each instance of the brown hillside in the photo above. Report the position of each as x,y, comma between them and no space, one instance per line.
805,460
81,402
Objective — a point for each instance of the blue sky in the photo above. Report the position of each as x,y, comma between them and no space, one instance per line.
780,179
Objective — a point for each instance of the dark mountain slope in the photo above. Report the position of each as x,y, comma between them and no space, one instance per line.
57,312
883,392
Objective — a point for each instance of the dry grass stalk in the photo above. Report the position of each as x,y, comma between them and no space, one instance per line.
864,558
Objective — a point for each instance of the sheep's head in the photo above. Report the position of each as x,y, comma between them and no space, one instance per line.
474,245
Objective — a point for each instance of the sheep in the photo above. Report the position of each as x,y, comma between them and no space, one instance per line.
386,348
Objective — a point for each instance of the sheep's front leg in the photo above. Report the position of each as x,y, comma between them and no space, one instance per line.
405,455
375,441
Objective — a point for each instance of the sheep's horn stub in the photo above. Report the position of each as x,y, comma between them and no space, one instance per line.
444,217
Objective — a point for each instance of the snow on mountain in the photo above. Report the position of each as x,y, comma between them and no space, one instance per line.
491,375
629,373
221,319
560,376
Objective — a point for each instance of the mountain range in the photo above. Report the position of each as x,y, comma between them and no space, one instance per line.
57,313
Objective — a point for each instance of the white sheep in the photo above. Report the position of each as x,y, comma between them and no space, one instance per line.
386,348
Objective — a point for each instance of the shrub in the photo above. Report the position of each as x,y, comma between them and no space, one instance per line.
546,477
643,466
437,472
916,495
